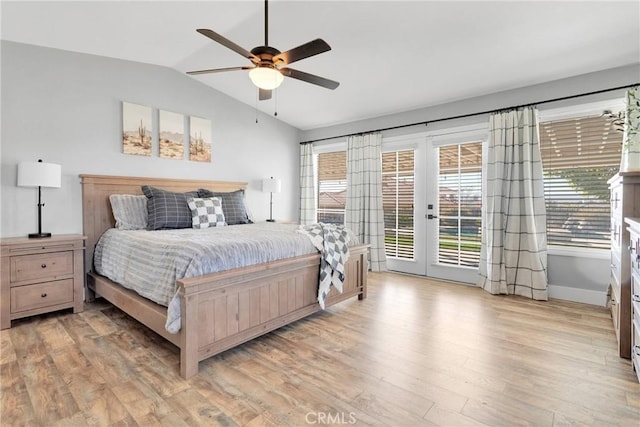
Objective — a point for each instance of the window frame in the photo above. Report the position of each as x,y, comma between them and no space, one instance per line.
328,149
570,112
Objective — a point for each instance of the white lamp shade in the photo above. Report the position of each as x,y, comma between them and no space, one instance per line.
38,174
266,78
271,185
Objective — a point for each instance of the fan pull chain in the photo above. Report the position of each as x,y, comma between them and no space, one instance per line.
256,109
275,95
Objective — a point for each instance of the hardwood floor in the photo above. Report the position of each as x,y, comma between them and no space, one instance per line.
416,352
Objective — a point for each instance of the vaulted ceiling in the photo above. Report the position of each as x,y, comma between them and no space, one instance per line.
389,56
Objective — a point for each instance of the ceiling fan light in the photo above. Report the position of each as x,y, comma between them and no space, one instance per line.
266,78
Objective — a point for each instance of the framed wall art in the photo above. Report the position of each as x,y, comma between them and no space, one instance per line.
171,135
136,129
199,139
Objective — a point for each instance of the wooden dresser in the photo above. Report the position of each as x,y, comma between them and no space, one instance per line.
40,276
634,250
625,202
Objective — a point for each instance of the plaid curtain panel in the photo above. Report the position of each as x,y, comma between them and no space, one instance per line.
308,200
513,255
364,214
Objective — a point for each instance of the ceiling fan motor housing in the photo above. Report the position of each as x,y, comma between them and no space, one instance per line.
266,54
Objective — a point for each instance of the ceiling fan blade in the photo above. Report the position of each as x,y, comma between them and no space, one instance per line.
309,78
314,47
264,94
228,43
217,70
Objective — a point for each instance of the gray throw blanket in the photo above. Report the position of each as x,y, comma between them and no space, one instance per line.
332,242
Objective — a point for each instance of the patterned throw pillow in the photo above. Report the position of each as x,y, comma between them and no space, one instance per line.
233,204
206,212
167,210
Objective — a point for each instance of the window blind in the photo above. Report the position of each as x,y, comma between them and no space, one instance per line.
579,155
332,187
459,204
398,203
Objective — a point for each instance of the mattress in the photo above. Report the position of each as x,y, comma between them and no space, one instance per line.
150,262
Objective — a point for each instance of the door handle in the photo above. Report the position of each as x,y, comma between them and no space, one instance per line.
429,216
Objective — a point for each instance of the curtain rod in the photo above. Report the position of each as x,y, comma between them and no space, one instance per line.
462,116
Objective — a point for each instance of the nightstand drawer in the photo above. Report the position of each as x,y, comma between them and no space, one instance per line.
48,266
41,295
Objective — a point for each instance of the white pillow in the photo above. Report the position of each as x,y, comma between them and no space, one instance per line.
130,211
206,212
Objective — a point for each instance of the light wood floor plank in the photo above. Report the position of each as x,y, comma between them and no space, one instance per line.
415,352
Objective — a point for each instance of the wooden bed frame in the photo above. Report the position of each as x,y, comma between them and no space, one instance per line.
220,310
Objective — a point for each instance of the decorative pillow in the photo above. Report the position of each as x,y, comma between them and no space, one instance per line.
130,211
233,205
206,212
167,210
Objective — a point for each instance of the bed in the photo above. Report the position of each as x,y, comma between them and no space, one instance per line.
218,311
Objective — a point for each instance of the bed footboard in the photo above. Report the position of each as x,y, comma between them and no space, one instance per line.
223,310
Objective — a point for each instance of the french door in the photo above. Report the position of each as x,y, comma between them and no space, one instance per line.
432,197
454,202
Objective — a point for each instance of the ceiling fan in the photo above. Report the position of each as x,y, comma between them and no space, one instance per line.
269,64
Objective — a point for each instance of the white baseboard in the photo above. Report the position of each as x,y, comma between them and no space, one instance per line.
578,295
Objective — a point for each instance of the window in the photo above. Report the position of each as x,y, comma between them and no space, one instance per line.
460,202
397,201
397,197
579,155
332,187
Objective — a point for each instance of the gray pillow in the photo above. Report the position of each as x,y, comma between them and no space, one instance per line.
233,205
130,211
167,210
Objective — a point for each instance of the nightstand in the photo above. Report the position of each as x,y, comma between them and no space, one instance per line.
40,275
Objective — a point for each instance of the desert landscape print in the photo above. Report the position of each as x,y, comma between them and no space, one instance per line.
136,129
171,135
199,139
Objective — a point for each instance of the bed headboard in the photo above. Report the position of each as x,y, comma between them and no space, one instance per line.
96,208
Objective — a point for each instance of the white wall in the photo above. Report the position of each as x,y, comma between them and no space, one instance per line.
571,276
65,108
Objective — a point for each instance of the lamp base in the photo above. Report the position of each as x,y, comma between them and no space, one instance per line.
39,235
271,220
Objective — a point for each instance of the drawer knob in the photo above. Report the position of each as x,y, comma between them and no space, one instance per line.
43,266
43,295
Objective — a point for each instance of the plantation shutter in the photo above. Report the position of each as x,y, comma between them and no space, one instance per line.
398,203
579,155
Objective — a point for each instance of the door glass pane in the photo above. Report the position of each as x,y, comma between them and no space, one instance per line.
398,203
459,204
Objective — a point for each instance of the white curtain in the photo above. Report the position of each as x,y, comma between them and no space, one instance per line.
364,214
513,257
308,200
